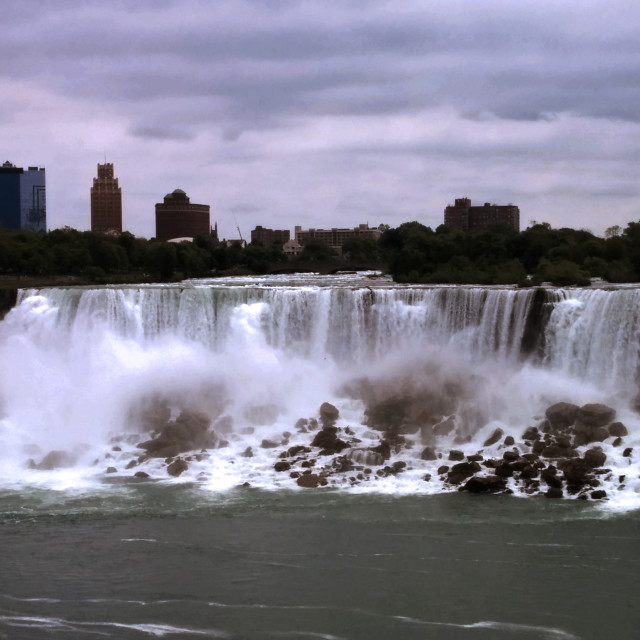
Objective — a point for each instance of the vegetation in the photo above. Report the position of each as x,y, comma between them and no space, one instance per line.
412,251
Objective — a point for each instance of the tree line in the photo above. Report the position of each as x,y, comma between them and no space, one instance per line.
411,252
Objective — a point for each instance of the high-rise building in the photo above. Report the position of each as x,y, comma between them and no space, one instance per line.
335,238
23,199
106,201
268,237
176,217
462,215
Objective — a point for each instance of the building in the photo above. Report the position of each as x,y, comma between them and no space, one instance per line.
268,237
176,217
106,201
462,215
335,238
292,248
23,198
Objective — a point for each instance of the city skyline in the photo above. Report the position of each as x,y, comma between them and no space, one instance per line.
328,114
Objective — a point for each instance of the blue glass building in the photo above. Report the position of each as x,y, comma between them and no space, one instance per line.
23,199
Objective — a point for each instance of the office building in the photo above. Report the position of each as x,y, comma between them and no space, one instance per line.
335,238
23,198
106,201
267,237
462,215
176,217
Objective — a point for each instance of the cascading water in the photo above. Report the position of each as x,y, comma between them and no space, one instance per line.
78,367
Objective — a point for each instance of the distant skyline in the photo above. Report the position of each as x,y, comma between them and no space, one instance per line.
328,113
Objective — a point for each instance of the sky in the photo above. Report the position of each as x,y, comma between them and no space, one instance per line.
327,113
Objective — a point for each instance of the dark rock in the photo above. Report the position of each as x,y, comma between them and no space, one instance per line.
509,441
247,453
618,430
428,453
510,456
556,451
503,470
617,442
561,415
445,427
297,450
528,472
551,479
493,438
476,457
426,477
627,452
486,484
383,449
140,474
177,467
301,425
595,415
443,469
294,474
282,466
462,471
328,413
599,494
308,480
599,434
342,464
131,464
538,447
111,470
554,492
328,441
116,448
595,457
268,444
399,465
189,431
531,433
454,454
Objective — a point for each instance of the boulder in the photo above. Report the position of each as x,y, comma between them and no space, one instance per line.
561,415
462,471
594,457
308,480
189,431
247,453
618,430
282,466
328,441
268,444
493,438
428,453
530,433
140,474
383,449
627,452
554,492
454,454
595,415
111,470
177,467
328,413
485,484
509,441
599,494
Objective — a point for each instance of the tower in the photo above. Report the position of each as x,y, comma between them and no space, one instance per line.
23,201
106,201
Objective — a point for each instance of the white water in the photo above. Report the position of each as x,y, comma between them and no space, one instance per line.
75,364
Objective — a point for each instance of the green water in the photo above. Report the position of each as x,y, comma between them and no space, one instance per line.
144,561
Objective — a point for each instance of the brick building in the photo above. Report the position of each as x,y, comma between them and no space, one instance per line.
106,201
462,215
270,236
176,217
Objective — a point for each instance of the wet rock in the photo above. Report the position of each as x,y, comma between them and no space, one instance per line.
189,431
54,460
476,457
282,466
627,452
297,450
328,441
509,441
268,444
618,430
530,433
538,447
247,453
595,415
554,492
342,464
383,449
454,454
131,464
111,470
462,471
398,466
366,457
561,415
595,457
445,427
308,480
428,453
301,425
556,451
617,442
140,474
550,477
510,456
485,484
177,467
599,494
443,469
328,414
493,438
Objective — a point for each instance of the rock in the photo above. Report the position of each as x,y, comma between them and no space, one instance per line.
444,427
462,471
268,444
556,451
308,480
301,425
595,457
618,430
383,449
177,467
550,477
493,438
140,474
509,441
398,466
131,464
510,456
328,441
328,413
554,492
366,457
454,454
627,452
342,464
282,466
428,453
531,433
476,457
247,453
595,415
599,494
443,469
55,460
297,450
561,415
617,442
189,431
111,470
485,484
503,470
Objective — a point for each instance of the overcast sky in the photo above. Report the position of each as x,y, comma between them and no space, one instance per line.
327,113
